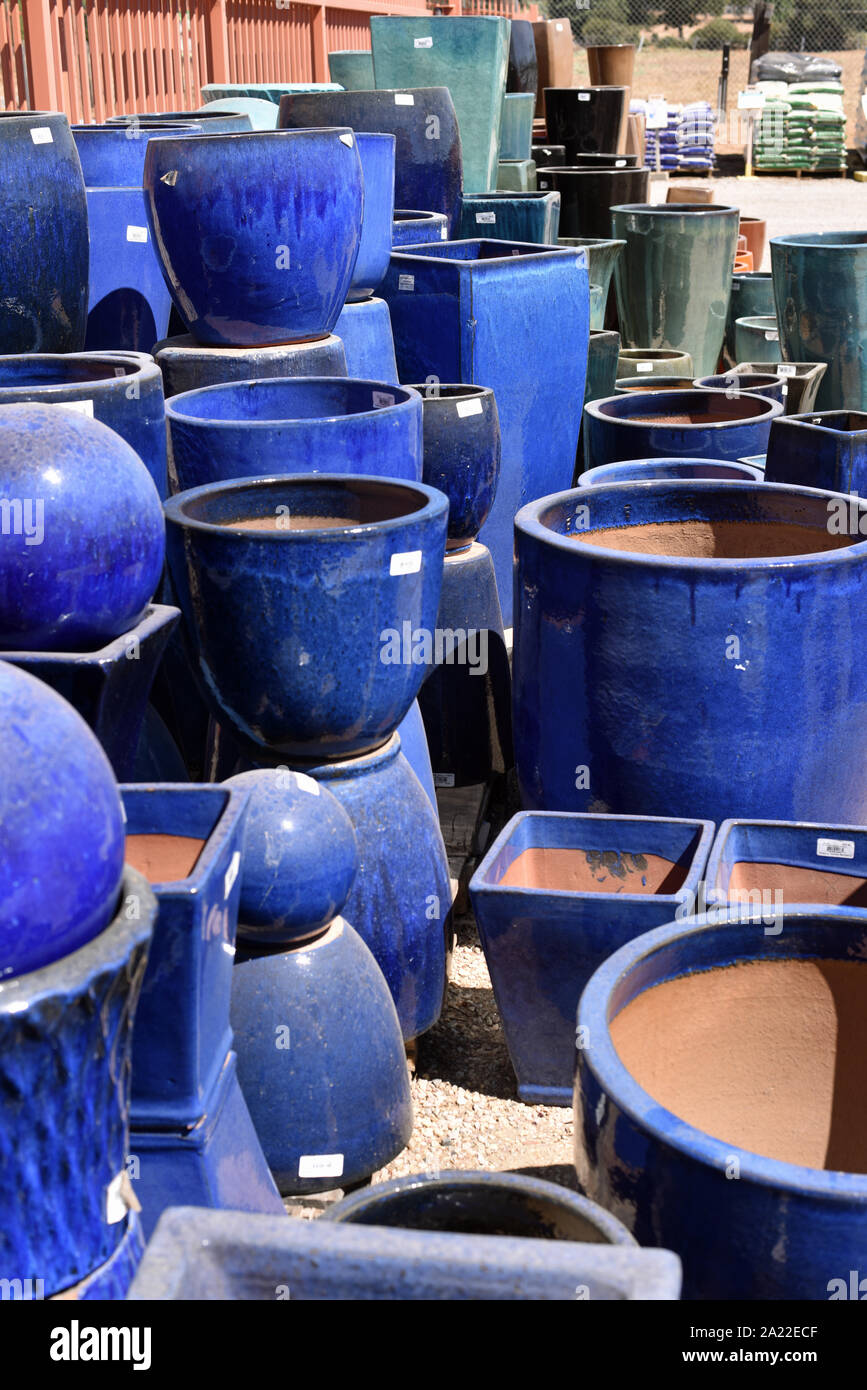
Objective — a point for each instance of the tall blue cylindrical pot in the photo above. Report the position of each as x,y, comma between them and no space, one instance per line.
129,304
365,332
376,153
113,155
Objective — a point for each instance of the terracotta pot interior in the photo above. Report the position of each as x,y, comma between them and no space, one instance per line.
701,539
289,510
764,1055
163,858
690,417
595,871
796,884
635,384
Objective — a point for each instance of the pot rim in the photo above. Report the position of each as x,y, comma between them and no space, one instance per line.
233,801
677,209
814,420
591,172
617,1082
823,241
151,621
417,215
307,131
591,86
528,523
758,320
532,251
108,950
654,354
461,390
132,368
409,394
747,472
435,506
663,399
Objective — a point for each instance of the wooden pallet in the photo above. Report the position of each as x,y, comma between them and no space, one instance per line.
796,173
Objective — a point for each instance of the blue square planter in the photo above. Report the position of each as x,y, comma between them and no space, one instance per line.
772,864
543,944
826,449
491,313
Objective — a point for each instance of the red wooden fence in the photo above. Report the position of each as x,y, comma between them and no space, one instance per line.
99,58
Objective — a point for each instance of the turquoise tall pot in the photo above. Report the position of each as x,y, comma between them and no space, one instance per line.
673,278
467,54
352,69
820,287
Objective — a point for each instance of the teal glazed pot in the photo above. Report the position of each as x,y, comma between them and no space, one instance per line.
516,125
644,470
673,280
820,288
677,424
516,176
512,217
602,254
352,69
757,338
262,114
263,91
650,362
691,726
752,293
602,351
756,1207
469,54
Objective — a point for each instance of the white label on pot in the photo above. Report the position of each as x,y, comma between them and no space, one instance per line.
559,28
772,335
736,287
405,562
487,217
41,135
836,849
422,43
644,366
80,407
404,99
119,1198
382,399
307,784
136,233
786,369
620,163
320,1166
346,140
444,779
471,407
583,96
406,282
231,873
444,233
542,183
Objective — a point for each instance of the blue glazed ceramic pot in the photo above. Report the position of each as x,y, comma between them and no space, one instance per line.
677,424
262,114
87,504
43,212
112,1279
255,429
516,125
256,277
113,155
234,122
351,69
65,1041
109,687
307,677
126,395
376,153
188,366
62,832
427,157
461,431
774,865
752,292
820,280
129,304
753,383
365,332
553,897
512,217
757,338
523,297
641,470
627,385
734,574
827,450
793,1224
215,1254
418,228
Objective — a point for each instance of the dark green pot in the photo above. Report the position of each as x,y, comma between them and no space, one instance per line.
511,217
673,280
820,287
601,259
757,338
352,69
602,354
516,176
752,293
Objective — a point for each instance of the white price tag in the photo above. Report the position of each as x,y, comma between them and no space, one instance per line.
444,779
559,28
231,873
307,784
41,135
644,366
136,233
346,140
405,562
80,407
470,407
620,163
320,1166
422,43
772,335
117,1199
543,183
836,849
404,99
583,96
382,399
787,369
444,233
406,282
486,217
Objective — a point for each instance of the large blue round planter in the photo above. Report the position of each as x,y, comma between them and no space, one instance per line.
376,153
188,366
642,470
256,429
113,155
737,576
418,228
294,622
240,223
677,424
745,1225
820,289
65,1044
129,303
125,395
83,549
43,213
61,860
462,454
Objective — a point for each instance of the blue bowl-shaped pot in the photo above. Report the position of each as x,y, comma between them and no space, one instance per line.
61,859
757,338
255,429
553,897
411,228
240,222
819,280
65,1043
286,611
113,155
43,213
83,502
462,454
125,395
766,384
780,864
676,424
478,1203
826,450
235,122
690,727
641,470
684,1172
376,153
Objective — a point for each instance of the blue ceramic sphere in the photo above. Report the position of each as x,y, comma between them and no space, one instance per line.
300,856
61,827
82,536
461,454
257,233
